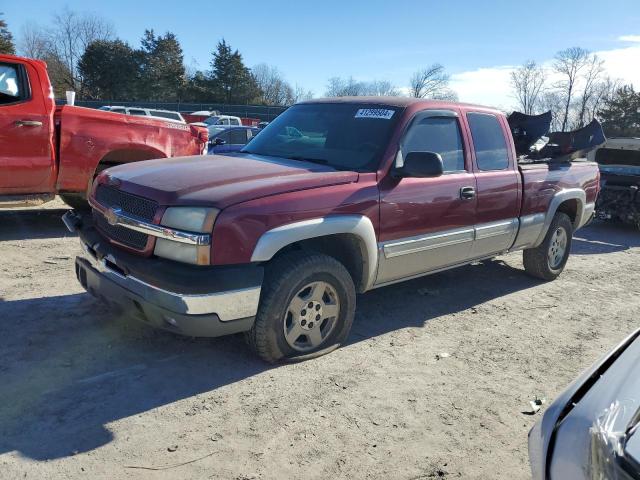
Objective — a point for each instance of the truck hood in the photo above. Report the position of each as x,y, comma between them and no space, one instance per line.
220,180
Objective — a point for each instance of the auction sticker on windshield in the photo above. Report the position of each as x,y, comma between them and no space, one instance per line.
375,113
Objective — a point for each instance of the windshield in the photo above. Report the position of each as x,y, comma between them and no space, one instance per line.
212,120
343,135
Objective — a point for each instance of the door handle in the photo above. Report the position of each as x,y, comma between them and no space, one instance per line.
28,123
467,193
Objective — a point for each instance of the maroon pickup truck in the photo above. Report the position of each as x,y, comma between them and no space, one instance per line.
334,197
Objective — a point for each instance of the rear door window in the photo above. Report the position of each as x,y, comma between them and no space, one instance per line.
138,113
234,121
238,136
488,141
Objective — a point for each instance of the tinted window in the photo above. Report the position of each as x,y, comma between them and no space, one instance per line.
118,110
234,121
436,134
488,141
10,90
238,136
171,115
224,136
140,113
343,135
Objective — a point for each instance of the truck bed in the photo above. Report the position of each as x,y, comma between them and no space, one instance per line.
542,180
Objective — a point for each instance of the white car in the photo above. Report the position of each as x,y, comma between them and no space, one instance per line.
145,112
223,120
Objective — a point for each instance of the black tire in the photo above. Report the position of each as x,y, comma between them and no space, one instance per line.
536,260
284,279
76,201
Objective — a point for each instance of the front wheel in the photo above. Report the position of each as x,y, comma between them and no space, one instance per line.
306,308
548,259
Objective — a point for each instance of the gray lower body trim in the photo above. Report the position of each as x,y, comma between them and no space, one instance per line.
416,256
494,237
587,214
437,270
229,305
428,242
530,228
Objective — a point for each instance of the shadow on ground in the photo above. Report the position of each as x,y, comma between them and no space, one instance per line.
69,366
28,224
605,237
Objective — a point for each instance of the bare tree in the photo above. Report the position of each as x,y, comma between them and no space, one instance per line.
528,82
594,71
604,92
348,87
429,82
275,89
381,88
69,38
551,100
569,63
341,87
300,94
34,42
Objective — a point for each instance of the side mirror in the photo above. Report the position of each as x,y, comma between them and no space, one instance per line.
421,164
219,141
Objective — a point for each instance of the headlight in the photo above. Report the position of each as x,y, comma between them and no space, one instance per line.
189,219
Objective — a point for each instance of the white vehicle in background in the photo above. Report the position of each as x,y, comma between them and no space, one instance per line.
592,429
225,120
145,112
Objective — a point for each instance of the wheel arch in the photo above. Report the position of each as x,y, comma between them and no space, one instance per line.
570,201
351,239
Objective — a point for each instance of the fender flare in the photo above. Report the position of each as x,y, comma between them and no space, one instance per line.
360,226
557,200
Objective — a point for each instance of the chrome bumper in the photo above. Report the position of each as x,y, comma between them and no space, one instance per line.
227,305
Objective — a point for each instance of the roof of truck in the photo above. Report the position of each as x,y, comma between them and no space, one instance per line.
393,101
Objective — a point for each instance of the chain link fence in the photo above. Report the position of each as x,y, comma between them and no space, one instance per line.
263,112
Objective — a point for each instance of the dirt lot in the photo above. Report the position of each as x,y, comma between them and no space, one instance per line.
85,393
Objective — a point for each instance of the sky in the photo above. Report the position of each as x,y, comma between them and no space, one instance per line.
478,41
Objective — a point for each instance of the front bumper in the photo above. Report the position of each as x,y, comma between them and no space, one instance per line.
189,300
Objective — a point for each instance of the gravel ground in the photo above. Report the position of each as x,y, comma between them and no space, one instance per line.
85,393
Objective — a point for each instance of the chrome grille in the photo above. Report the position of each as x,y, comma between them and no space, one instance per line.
110,197
125,236
143,208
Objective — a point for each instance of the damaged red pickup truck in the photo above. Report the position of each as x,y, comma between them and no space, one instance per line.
332,198
47,150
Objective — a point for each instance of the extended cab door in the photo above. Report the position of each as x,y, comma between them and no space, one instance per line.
428,223
27,163
498,183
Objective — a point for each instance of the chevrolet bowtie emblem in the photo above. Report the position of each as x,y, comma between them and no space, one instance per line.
111,215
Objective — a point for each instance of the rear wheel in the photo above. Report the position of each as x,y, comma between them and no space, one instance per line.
306,308
547,260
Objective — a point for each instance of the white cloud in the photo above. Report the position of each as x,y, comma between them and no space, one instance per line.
486,86
630,38
623,63
491,85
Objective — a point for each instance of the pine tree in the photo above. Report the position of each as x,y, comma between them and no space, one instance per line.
163,72
232,80
110,70
6,39
621,114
